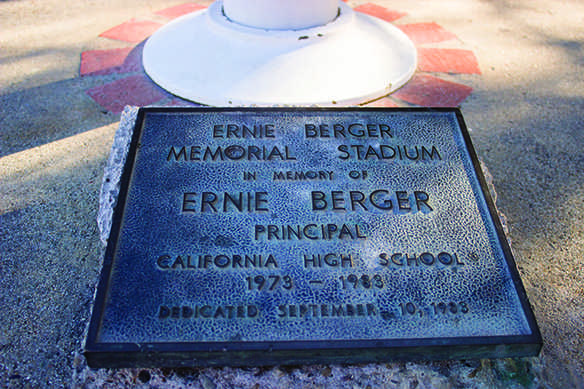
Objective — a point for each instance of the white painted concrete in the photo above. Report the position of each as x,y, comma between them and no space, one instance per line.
281,14
207,58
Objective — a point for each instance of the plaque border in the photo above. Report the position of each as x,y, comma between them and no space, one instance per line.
265,353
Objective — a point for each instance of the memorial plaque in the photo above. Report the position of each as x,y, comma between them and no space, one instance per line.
286,236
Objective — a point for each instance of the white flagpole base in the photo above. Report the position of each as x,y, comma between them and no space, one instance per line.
206,58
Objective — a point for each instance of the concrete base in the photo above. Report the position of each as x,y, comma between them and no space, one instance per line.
207,58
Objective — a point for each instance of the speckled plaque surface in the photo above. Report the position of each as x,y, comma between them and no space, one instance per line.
278,236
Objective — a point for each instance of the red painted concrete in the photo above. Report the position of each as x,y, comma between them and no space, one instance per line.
98,61
430,91
379,11
421,33
102,62
134,90
447,61
180,10
384,102
132,31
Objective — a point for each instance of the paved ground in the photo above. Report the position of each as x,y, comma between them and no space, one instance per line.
525,111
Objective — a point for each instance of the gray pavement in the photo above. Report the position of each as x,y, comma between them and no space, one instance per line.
525,114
